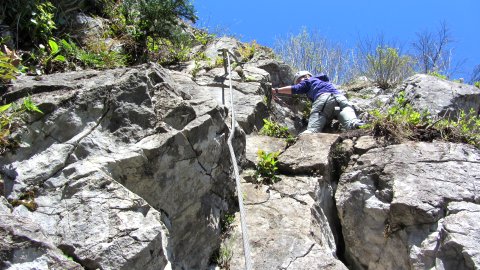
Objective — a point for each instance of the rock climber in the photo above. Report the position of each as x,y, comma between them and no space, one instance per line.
325,97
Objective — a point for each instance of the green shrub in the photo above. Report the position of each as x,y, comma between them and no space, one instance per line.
399,121
97,54
402,111
274,129
50,58
168,51
202,36
63,55
267,167
465,129
155,19
477,84
386,67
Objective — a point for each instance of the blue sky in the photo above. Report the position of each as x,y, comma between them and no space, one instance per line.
343,21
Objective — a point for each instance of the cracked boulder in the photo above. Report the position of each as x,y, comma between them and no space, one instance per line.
441,97
248,93
24,245
254,143
309,154
279,221
125,169
98,222
412,205
249,84
291,222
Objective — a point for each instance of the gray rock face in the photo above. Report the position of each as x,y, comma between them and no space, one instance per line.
441,97
250,106
265,143
308,155
250,84
290,222
98,222
279,222
401,207
24,245
127,169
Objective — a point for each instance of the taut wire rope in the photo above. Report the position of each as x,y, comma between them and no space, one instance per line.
246,246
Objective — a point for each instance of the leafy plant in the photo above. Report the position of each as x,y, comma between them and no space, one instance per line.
98,54
465,129
273,129
53,54
225,254
477,84
226,222
46,59
307,109
167,51
247,52
11,116
399,121
403,111
219,61
42,21
8,71
202,37
267,167
65,54
26,199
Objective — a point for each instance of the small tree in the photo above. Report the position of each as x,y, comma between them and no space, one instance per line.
156,19
433,52
310,51
387,67
382,61
475,75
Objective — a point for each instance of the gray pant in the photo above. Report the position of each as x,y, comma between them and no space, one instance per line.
323,111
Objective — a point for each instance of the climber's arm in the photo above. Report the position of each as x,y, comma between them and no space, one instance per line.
282,90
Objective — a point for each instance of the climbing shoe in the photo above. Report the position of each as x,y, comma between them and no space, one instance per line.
357,124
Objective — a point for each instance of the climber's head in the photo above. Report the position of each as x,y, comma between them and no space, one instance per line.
301,75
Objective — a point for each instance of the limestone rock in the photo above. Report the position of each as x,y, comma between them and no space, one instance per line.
265,143
24,245
394,207
441,97
98,222
308,155
278,223
129,169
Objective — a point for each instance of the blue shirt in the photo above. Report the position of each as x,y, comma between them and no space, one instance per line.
314,87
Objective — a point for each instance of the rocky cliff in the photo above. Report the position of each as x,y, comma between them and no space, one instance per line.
130,169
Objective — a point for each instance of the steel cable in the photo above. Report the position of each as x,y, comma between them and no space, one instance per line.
246,246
